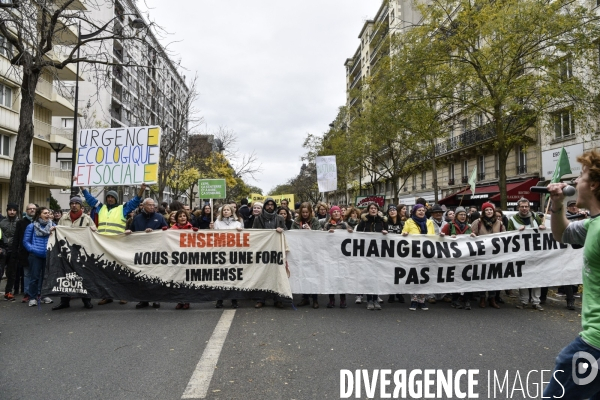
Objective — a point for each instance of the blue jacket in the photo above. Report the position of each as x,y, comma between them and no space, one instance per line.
143,221
35,244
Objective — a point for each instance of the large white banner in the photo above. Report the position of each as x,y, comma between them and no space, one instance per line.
343,262
117,156
326,173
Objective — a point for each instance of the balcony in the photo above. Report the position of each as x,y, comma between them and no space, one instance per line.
450,182
481,176
45,174
469,138
423,186
465,179
521,169
48,96
413,188
51,133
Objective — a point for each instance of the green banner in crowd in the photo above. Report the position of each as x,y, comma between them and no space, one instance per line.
211,188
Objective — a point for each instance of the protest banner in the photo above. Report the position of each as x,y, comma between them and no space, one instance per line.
277,197
343,262
326,173
117,156
173,265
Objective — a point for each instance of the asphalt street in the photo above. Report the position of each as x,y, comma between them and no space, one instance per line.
118,352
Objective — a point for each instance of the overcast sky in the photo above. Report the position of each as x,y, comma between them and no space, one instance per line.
272,71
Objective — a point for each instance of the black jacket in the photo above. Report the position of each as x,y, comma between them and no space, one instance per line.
370,223
143,221
17,244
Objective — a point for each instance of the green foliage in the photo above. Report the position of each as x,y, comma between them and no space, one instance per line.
53,203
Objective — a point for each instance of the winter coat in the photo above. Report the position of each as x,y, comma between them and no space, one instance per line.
9,227
233,224
397,227
438,227
339,225
83,221
479,228
35,244
18,247
314,224
454,229
144,221
186,226
370,223
411,227
202,223
260,221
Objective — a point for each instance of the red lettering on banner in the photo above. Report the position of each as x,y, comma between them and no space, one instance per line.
202,239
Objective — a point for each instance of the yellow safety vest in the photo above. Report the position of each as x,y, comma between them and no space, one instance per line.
111,222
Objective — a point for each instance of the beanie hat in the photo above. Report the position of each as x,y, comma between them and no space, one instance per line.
487,205
113,194
12,206
437,208
391,206
334,208
416,207
76,199
459,210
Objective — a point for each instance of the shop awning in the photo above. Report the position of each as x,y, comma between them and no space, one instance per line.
517,190
482,193
514,191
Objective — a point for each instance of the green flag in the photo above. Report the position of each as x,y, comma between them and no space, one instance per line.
562,167
473,179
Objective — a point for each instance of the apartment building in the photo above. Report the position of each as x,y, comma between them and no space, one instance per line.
148,89
469,140
53,100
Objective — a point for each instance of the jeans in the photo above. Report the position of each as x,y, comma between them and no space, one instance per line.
563,374
36,275
535,295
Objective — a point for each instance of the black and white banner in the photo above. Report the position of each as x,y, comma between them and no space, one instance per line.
342,262
171,265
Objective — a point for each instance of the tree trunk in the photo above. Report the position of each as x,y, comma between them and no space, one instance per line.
21,159
502,156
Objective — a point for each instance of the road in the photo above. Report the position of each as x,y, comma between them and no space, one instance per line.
118,352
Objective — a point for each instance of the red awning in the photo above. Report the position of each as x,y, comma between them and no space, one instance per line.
481,193
517,190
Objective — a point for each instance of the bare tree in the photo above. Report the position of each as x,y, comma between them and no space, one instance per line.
243,164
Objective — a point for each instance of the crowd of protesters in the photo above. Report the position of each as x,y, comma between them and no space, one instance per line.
23,244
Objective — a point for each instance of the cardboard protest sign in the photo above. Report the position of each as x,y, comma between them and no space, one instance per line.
212,188
117,156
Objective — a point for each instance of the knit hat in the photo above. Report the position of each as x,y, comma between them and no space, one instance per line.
334,208
76,199
459,210
437,208
12,206
416,207
392,207
113,194
487,205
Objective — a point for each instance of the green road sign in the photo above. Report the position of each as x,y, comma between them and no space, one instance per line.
211,188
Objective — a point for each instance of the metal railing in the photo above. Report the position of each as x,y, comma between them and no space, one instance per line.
451,182
43,131
469,138
44,173
521,169
481,176
465,179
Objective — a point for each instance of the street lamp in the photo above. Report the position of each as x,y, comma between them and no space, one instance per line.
137,24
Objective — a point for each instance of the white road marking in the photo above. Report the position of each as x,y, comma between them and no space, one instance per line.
198,385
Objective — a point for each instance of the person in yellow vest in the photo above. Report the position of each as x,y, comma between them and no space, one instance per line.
112,216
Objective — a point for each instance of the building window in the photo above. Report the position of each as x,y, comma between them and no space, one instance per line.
566,68
6,48
479,119
481,167
4,145
5,96
414,182
521,160
451,174
465,171
67,123
423,179
564,124
65,165
464,125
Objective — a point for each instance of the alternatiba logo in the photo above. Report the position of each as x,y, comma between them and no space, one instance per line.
71,283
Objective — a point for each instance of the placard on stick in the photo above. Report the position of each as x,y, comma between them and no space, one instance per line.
117,156
211,189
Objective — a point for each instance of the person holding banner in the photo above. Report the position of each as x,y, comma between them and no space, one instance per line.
307,221
182,222
256,211
227,220
519,222
112,216
584,351
336,222
267,218
373,221
204,218
487,224
418,224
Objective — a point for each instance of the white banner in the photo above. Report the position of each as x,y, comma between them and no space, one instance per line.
326,173
343,262
117,156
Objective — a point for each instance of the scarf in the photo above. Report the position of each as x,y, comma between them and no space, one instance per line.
422,222
75,216
352,222
228,220
462,226
526,220
42,228
439,224
488,222
270,219
28,217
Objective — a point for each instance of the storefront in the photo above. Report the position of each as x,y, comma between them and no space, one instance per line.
491,193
